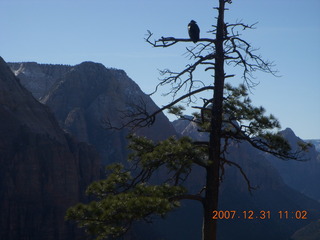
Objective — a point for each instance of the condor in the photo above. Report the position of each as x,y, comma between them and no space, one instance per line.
194,31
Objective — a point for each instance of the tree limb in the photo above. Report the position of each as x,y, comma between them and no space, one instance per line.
250,187
169,41
143,119
187,197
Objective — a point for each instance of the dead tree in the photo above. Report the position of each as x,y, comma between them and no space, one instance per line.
227,115
225,48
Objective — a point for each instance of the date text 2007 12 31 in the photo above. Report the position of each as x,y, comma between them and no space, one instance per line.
250,215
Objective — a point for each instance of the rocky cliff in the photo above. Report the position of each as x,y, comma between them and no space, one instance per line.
315,142
43,170
86,96
300,175
30,72
272,193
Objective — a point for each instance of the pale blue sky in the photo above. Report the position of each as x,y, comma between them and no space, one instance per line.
112,32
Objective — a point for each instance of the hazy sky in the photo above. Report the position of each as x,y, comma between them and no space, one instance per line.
112,32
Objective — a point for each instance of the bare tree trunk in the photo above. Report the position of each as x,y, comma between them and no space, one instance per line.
212,179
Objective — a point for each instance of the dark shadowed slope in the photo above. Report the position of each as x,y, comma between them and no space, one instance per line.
272,194
43,171
304,176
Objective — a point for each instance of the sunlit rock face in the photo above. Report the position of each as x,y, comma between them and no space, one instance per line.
29,74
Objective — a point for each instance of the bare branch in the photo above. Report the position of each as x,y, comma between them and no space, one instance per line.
234,26
261,144
169,41
142,118
188,197
250,187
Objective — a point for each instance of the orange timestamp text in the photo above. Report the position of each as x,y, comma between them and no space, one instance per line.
250,214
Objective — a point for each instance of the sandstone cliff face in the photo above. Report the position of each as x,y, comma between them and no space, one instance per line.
43,171
88,95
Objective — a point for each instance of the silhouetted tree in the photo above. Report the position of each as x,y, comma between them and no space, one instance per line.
127,195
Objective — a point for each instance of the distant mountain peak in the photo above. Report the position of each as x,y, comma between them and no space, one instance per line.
288,132
86,95
90,65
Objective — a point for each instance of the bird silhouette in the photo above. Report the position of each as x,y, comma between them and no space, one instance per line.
194,31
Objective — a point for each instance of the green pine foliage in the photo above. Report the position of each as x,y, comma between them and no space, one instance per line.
126,195
121,198
176,155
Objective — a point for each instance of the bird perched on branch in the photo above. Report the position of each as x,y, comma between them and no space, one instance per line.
194,31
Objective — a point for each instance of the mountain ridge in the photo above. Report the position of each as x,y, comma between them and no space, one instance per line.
43,170
272,192
89,95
